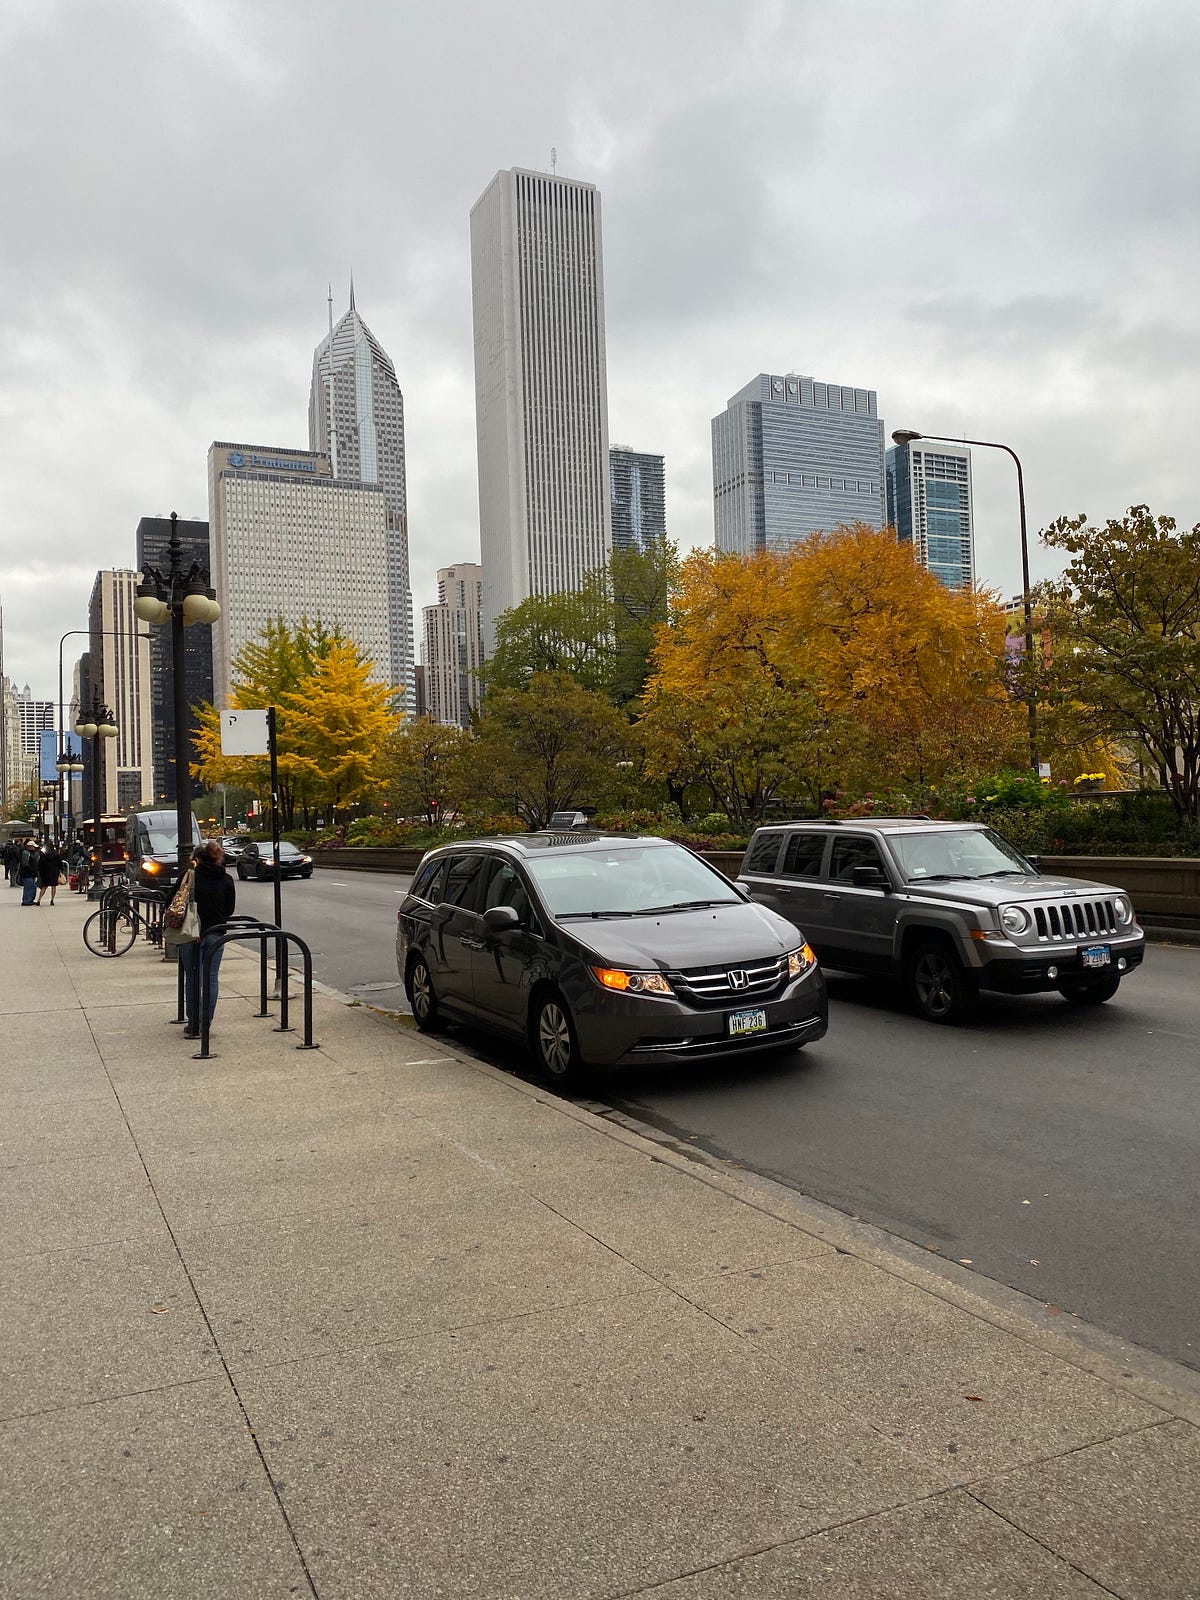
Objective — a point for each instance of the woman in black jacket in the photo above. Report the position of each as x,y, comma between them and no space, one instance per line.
214,895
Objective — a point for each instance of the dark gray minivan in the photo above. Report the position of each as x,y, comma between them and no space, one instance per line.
603,950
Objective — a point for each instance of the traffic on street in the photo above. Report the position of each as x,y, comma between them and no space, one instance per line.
1052,1149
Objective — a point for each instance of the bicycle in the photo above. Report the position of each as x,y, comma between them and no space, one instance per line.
112,930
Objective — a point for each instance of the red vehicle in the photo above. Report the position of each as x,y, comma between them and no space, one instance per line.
112,840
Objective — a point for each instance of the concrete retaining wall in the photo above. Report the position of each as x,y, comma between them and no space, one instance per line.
1163,888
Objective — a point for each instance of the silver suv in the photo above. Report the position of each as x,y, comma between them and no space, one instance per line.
949,908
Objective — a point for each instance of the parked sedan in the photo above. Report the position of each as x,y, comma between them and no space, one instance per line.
256,861
602,950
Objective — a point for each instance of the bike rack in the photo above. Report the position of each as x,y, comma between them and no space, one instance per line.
263,931
236,931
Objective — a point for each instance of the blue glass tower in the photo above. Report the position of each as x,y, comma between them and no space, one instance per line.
793,457
929,504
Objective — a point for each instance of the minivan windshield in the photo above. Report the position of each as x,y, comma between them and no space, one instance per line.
957,853
631,880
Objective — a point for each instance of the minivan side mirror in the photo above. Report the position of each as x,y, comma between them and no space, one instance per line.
501,919
870,878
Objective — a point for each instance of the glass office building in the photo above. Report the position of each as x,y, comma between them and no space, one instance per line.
638,493
792,457
929,505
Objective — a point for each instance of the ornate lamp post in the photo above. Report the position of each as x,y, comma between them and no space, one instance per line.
904,436
183,598
69,763
97,726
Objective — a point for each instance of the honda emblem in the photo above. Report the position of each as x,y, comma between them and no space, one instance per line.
737,978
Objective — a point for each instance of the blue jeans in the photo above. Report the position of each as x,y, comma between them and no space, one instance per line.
28,891
189,954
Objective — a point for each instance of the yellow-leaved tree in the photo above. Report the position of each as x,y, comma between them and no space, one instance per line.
838,664
337,721
287,667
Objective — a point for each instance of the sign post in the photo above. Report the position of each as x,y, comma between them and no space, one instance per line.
252,733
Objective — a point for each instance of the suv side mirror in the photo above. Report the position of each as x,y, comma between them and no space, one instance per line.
501,919
870,878
1035,862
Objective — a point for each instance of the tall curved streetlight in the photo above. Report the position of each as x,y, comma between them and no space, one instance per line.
903,436
182,598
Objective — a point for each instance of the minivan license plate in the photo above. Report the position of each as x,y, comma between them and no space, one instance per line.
1096,955
747,1021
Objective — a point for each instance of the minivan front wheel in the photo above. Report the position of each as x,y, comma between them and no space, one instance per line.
937,985
555,1047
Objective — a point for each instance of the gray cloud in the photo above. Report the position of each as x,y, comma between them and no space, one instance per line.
988,214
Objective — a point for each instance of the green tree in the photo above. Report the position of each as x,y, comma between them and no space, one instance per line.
1123,627
600,634
424,769
547,747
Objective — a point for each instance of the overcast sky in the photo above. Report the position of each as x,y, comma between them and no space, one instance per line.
986,212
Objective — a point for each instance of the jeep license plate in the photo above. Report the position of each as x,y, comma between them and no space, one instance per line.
747,1021
1096,955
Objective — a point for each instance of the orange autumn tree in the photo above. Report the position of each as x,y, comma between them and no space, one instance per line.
838,664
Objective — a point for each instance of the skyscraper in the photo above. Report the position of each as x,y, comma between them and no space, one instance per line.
288,541
793,457
153,541
541,390
637,494
119,669
453,645
930,506
366,445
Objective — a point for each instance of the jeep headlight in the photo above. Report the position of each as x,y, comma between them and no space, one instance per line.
1123,906
1014,919
799,961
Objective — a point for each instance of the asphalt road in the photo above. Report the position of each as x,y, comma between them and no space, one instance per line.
1054,1149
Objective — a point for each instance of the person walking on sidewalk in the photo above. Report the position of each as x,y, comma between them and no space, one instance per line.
50,868
214,896
31,853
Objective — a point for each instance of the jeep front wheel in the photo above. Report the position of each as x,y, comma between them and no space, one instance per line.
937,985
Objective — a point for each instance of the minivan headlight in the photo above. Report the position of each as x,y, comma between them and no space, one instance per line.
632,982
1123,906
151,867
1014,919
799,961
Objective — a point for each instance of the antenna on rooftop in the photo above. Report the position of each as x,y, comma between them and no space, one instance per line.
333,463
553,160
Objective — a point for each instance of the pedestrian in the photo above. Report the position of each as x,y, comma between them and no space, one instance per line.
11,856
30,855
213,895
50,870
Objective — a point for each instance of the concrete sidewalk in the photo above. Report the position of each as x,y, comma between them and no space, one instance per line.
377,1320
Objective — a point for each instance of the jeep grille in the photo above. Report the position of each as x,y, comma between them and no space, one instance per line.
714,986
1057,920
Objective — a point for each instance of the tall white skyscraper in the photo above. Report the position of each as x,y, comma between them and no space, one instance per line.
366,445
453,645
541,389
288,541
119,664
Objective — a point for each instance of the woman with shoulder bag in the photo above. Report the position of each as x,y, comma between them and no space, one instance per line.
211,903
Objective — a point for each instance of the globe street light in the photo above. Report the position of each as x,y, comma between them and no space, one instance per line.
69,763
96,726
184,598
903,436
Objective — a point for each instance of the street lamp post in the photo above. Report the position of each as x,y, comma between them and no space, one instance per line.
185,598
69,763
903,436
97,726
